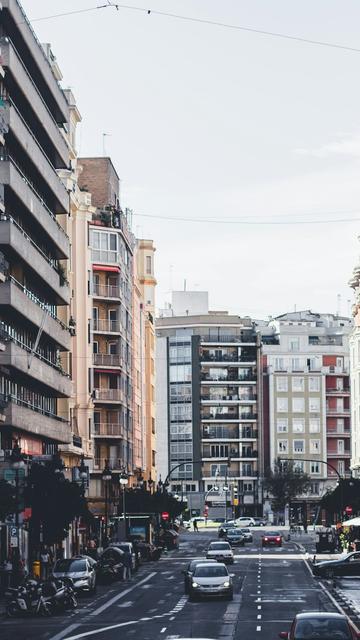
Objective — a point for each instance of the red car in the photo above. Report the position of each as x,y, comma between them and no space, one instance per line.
321,625
271,539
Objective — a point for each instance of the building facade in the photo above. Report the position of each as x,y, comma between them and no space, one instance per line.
355,373
207,404
34,290
307,396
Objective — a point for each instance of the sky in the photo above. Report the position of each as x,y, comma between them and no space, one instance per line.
231,132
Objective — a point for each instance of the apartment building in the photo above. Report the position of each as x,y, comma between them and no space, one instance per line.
207,403
354,341
306,394
34,290
145,255
110,326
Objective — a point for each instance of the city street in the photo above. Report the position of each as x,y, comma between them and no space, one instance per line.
271,585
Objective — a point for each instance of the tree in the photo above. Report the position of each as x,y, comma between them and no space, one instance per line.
145,502
285,482
7,499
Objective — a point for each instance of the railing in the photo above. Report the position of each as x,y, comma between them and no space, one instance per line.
251,377
228,357
98,255
180,398
221,433
234,396
332,411
40,303
108,429
107,360
115,464
230,338
346,433
107,326
248,416
109,394
230,474
220,416
33,407
51,261
106,290
335,391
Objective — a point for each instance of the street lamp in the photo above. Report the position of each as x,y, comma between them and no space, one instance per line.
17,464
124,479
106,476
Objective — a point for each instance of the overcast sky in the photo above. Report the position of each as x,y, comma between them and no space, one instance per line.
212,123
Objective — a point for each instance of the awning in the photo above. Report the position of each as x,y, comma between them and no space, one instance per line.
354,522
103,267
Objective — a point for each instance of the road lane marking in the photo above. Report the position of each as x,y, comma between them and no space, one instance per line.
163,630
258,628
63,633
120,595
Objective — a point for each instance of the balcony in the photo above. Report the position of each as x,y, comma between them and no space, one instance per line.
244,338
102,325
107,360
229,379
338,392
337,454
25,249
228,417
106,291
31,419
22,301
15,68
244,356
40,372
108,430
240,473
228,399
115,464
338,434
32,149
105,256
13,178
344,411
109,395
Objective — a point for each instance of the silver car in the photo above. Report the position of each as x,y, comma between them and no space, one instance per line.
79,570
211,580
220,551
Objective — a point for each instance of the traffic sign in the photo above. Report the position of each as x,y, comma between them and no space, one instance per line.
165,515
348,510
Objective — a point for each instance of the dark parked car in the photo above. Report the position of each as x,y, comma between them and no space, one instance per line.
188,572
271,539
320,625
348,565
230,524
247,535
235,537
111,565
211,580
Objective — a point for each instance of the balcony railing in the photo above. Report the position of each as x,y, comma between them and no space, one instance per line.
116,395
106,326
107,360
51,261
237,339
33,407
234,396
227,357
43,305
101,256
337,392
219,416
106,290
236,377
114,429
222,433
339,434
115,464
230,474
342,411
248,416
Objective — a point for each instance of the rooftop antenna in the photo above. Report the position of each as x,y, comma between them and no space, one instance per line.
338,306
185,284
105,135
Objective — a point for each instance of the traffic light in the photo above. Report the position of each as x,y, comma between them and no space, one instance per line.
235,496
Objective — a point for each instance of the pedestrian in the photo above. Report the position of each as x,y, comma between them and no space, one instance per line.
127,565
195,525
45,562
305,526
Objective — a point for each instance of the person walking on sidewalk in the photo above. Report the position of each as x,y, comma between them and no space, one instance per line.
127,561
195,525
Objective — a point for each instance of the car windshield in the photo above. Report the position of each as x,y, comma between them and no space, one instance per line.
272,534
210,571
215,546
322,629
234,532
245,530
65,566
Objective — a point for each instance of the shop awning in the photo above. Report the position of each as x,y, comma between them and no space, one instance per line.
103,267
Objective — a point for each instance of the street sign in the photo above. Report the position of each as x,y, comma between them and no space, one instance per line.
13,541
348,510
236,502
165,515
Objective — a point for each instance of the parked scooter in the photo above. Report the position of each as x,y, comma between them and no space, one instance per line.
27,599
59,594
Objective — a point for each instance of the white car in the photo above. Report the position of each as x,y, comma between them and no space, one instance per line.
220,551
245,521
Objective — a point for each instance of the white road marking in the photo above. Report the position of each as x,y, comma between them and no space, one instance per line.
128,603
259,607
108,604
259,616
163,630
258,628
63,633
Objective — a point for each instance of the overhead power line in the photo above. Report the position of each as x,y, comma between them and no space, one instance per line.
246,221
204,21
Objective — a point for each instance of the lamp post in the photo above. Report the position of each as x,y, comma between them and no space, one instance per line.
124,479
83,475
106,476
17,463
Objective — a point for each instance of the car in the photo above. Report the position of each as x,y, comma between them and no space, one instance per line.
211,580
127,547
111,565
271,539
245,521
235,537
220,551
230,524
260,522
321,625
348,565
247,535
169,539
188,572
82,574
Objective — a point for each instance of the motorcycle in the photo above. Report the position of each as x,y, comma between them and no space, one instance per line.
27,599
59,594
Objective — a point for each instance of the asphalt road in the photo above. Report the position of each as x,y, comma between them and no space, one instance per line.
270,586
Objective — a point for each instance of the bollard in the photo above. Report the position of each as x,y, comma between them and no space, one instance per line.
36,569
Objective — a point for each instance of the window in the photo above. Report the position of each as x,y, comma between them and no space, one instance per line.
153,455
298,425
315,468
314,425
298,405
299,446
148,265
294,344
219,470
280,364
95,347
315,487
282,405
314,383
299,466
341,467
340,426
282,425
248,487
315,446
180,373
219,451
340,446
297,383
339,404
281,384
314,405
296,364
180,412
339,384
282,446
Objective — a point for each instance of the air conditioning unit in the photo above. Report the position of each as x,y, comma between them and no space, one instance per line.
206,430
